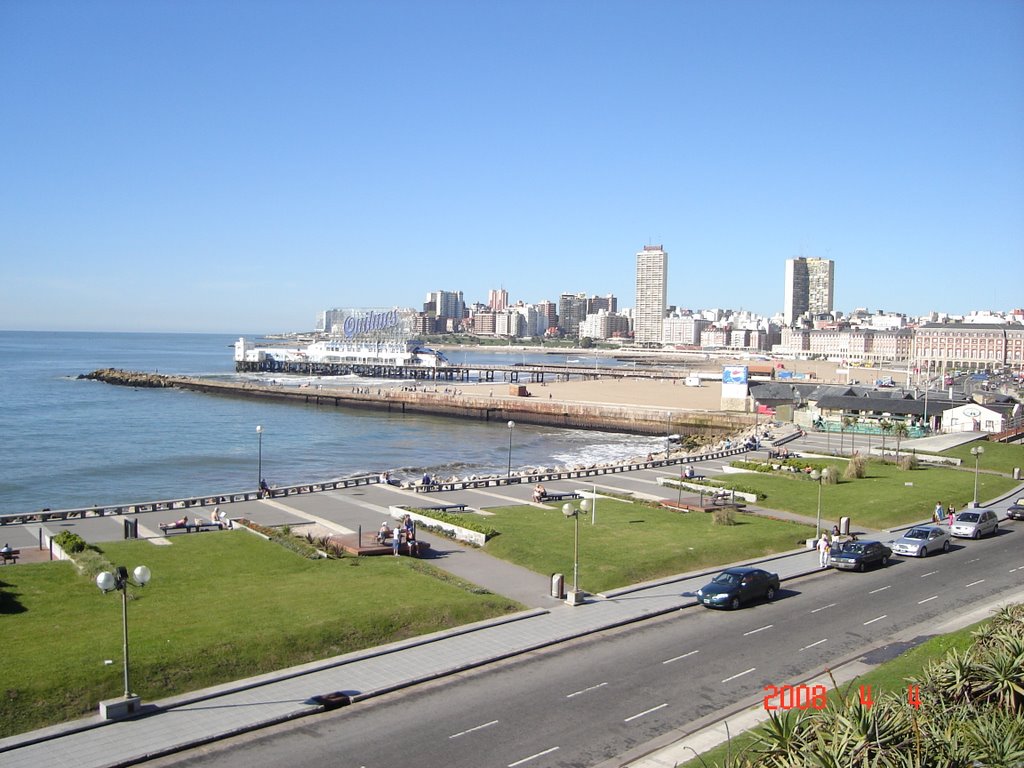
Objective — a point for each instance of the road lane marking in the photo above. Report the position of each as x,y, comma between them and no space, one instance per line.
646,712
884,615
755,631
741,674
677,658
814,644
475,728
880,589
830,605
919,602
532,757
930,573
585,690
973,583
974,560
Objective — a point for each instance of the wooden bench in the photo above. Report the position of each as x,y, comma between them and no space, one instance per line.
191,527
445,508
10,557
560,496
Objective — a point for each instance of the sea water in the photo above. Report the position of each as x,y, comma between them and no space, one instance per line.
66,442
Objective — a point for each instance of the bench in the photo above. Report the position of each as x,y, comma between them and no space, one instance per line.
190,527
10,557
445,508
560,496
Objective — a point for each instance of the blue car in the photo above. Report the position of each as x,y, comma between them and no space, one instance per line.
735,586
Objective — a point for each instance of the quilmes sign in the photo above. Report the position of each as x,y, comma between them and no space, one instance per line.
369,321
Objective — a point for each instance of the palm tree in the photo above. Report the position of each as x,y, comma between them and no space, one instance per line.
886,427
900,430
844,424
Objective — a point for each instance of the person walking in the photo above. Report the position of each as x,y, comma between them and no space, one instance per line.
937,514
951,513
823,550
396,540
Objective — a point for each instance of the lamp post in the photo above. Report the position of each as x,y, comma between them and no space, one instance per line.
107,582
575,597
976,452
819,478
259,454
511,426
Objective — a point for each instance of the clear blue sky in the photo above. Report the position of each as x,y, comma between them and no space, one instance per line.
237,166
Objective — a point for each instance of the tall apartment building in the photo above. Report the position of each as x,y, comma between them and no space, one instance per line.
651,294
572,310
548,311
446,304
497,299
809,288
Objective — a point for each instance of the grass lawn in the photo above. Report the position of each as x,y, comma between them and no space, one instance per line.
886,497
633,542
220,607
888,677
998,457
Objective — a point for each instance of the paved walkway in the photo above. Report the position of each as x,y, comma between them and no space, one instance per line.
175,724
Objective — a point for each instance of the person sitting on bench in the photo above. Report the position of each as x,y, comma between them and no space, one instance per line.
384,533
539,493
182,523
689,474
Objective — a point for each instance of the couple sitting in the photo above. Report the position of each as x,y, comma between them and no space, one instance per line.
539,494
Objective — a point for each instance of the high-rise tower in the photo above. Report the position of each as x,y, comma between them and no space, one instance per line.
810,287
651,294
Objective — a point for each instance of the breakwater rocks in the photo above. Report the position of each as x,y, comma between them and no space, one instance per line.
128,378
467,404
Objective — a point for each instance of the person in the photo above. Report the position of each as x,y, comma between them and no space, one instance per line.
937,514
264,489
823,550
396,540
385,477
951,514
538,492
426,479
409,528
384,533
181,523
689,473
215,516
5,550
835,534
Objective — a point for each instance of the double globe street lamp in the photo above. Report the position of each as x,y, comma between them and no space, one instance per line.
107,582
576,596
820,478
977,452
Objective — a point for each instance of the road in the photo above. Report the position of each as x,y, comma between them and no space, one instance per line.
586,702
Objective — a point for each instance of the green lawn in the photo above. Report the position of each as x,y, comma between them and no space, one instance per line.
886,497
219,607
998,457
633,542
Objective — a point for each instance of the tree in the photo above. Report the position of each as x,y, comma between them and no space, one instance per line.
586,342
886,427
900,430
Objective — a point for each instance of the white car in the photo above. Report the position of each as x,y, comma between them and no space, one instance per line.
921,541
974,523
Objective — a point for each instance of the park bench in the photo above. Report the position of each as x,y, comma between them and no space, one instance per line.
195,526
560,496
445,508
10,557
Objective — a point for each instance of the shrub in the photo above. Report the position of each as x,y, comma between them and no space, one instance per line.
908,462
723,516
460,520
70,542
856,468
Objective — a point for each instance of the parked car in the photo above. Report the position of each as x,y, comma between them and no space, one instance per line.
921,541
974,523
859,555
735,586
1016,510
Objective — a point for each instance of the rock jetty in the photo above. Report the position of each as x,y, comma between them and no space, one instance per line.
128,378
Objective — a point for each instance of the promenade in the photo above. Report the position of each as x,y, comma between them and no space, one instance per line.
176,724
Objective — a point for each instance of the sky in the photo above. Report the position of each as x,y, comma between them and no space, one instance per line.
229,166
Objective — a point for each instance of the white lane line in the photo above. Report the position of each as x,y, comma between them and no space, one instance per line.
974,582
474,728
884,615
677,658
646,712
761,629
532,757
814,644
880,589
830,605
741,674
585,690
974,560
930,573
919,602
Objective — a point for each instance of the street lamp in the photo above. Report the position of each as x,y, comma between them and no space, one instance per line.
511,426
575,597
976,452
107,582
259,461
819,478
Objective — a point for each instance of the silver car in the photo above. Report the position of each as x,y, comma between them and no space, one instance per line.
975,523
921,541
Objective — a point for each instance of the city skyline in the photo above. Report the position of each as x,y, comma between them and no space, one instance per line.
209,167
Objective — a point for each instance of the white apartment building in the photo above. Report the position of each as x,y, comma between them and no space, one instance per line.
809,288
651,294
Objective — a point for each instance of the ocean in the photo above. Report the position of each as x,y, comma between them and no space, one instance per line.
66,442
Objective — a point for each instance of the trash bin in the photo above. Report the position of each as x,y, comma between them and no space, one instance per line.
558,586
844,526
1016,473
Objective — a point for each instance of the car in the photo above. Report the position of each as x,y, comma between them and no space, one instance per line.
1016,510
975,523
735,586
859,555
921,541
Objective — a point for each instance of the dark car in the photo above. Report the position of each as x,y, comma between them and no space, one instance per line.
1016,510
859,555
735,586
